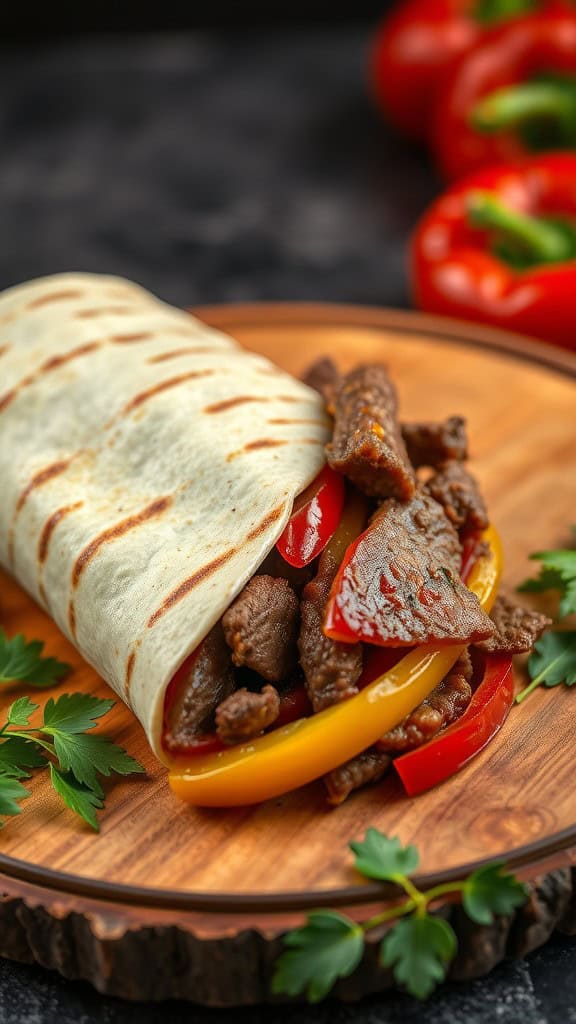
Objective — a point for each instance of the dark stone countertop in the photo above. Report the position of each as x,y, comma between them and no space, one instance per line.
224,168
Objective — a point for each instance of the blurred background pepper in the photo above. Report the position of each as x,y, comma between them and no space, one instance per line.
514,94
417,44
500,247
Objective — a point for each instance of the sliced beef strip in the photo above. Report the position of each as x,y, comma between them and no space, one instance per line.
244,714
367,445
211,680
517,628
370,766
261,627
331,669
440,709
458,493
324,376
402,583
430,444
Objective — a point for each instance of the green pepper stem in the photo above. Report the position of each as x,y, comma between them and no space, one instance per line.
539,239
527,101
489,11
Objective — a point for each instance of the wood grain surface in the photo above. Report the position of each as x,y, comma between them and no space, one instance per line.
513,800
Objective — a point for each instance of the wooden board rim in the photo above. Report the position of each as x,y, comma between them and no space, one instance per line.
225,316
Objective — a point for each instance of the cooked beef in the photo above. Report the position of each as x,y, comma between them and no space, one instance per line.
458,493
211,680
429,444
367,445
331,669
261,627
439,709
517,628
402,586
244,714
324,376
369,766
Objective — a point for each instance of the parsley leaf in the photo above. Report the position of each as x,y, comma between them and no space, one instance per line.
11,791
328,947
18,754
378,856
554,659
75,760
558,572
23,662
553,662
74,713
419,949
490,891
86,756
20,712
79,798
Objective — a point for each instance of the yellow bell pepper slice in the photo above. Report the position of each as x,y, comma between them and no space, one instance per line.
302,751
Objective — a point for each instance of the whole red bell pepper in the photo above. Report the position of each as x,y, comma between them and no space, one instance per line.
500,247
417,44
512,95
314,520
443,756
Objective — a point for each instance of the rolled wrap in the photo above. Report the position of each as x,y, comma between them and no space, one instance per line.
147,466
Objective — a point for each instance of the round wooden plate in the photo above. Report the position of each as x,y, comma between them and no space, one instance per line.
173,901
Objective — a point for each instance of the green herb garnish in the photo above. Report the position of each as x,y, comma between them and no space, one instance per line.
22,662
75,760
418,947
558,572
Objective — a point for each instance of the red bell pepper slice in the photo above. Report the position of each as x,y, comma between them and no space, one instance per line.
459,259
445,755
314,520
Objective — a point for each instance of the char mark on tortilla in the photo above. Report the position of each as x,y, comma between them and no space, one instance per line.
127,339
156,508
253,446
45,300
231,403
269,519
129,671
164,385
72,618
175,353
57,361
284,422
187,585
4,349
41,478
92,314
49,527
9,396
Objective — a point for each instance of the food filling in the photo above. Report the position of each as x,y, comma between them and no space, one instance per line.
373,561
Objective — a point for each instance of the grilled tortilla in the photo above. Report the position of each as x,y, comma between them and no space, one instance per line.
147,466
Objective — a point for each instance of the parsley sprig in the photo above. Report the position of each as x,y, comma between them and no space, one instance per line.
558,572
418,947
23,662
554,658
60,744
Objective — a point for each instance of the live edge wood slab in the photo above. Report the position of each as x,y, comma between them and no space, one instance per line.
172,902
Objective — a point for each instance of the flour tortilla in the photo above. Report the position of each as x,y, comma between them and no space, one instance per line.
147,466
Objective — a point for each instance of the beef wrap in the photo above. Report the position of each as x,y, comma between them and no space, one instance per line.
148,465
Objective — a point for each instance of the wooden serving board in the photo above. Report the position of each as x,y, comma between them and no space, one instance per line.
173,901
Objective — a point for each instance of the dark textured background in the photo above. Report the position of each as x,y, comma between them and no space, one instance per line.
212,168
